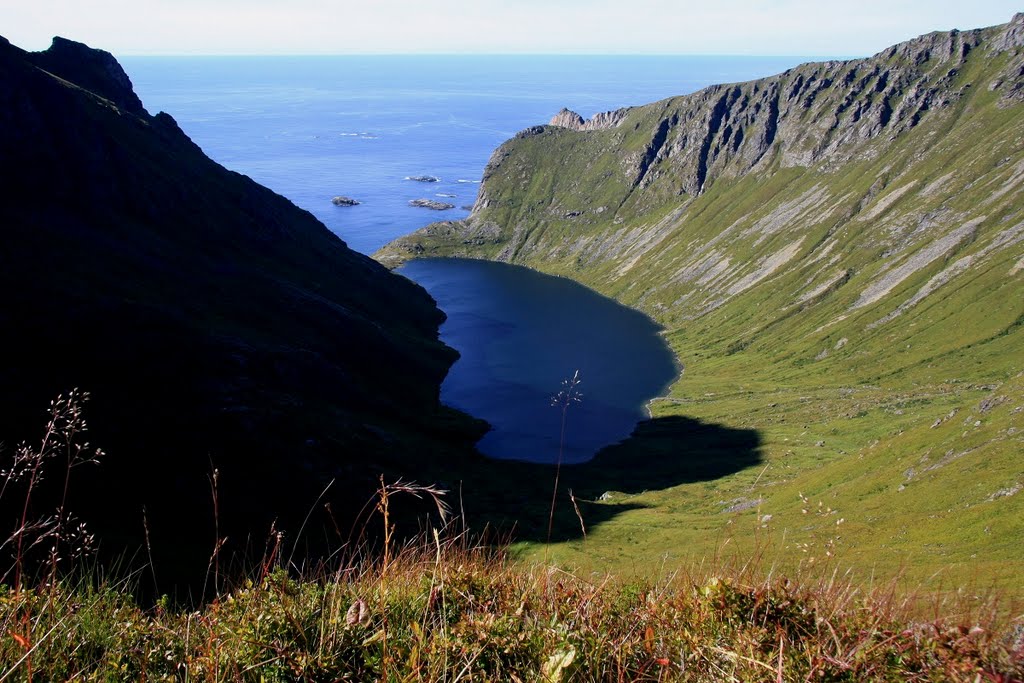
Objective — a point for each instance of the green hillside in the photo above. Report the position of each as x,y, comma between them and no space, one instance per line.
837,254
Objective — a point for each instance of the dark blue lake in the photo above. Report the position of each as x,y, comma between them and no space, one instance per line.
521,333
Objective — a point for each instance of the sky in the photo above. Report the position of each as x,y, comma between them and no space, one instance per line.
275,27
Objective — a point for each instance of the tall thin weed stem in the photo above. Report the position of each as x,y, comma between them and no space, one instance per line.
566,396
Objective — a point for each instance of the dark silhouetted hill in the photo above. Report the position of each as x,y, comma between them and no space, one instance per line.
215,324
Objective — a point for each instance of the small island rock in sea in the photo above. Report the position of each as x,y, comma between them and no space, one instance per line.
424,178
431,204
344,201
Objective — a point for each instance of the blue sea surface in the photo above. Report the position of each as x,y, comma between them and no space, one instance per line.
312,128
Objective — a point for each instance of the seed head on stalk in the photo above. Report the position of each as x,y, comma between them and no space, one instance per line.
566,396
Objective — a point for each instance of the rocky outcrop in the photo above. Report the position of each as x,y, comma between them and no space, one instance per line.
1011,36
567,118
1008,83
344,201
424,178
815,113
606,119
811,114
431,204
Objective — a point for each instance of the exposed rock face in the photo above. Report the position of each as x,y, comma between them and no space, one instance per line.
1012,37
813,113
529,132
344,201
567,119
810,114
214,323
607,119
601,121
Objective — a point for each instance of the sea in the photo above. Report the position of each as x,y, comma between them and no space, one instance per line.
313,128
385,130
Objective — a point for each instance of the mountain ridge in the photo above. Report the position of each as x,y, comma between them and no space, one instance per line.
672,170
836,254
217,326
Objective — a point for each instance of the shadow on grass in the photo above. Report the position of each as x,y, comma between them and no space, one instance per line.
660,453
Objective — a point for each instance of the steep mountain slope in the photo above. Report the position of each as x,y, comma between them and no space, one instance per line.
838,253
215,324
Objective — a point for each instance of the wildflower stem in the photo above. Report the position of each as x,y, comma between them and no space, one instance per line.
558,472
568,395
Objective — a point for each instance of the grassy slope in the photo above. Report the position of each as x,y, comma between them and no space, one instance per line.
848,410
442,612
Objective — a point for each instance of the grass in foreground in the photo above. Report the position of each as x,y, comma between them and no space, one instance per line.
447,611
444,609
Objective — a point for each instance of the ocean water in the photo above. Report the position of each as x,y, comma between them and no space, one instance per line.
312,128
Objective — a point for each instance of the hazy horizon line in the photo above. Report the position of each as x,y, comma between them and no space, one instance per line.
737,55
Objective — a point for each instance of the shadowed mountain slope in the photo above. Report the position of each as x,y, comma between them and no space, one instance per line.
215,324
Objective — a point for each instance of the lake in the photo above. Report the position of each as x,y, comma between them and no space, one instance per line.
521,334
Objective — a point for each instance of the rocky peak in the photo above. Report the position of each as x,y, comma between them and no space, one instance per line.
566,118
1012,36
94,70
607,119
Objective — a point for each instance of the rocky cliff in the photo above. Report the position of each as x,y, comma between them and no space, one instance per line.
841,241
216,325
835,145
